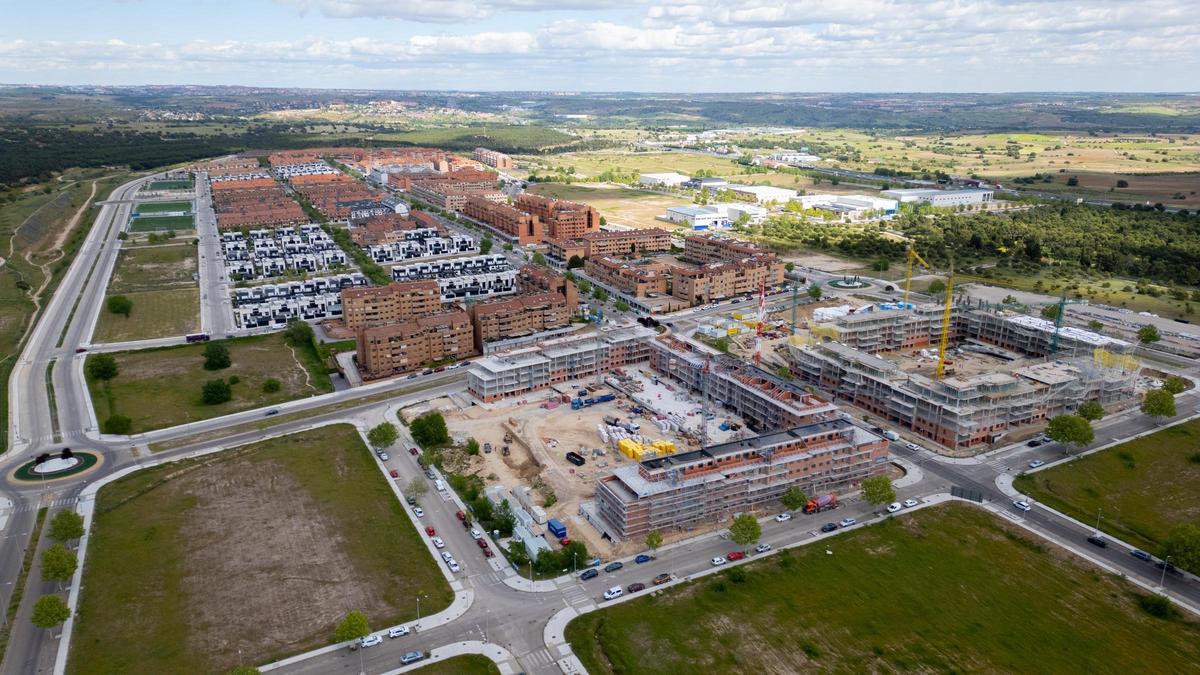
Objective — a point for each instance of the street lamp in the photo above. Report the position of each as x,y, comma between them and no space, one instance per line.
1098,509
1162,579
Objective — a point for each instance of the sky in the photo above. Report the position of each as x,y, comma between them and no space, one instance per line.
609,45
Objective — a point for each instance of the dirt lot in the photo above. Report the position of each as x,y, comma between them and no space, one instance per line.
619,206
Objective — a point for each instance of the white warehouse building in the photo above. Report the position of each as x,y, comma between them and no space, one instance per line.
762,194
940,197
670,179
697,217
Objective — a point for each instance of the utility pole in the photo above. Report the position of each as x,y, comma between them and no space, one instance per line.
1162,579
1098,509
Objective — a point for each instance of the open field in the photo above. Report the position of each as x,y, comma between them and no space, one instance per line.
160,223
169,185
1144,487
286,532
620,206
467,664
151,268
945,589
155,314
1170,189
163,207
159,388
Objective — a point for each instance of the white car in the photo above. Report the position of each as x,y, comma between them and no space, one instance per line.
398,631
447,556
909,503
847,522
1022,504
894,507
369,640
614,593
453,565
783,517
762,548
1036,463
717,561
383,456
438,543
912,446
476,534
418,511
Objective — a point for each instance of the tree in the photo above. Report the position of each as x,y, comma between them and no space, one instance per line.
814,292
508,246
878,490
117,424
485,246
783,372
216,356
1159,403
603,220
271,385
600,294
429,430
654,539
352,627
1183,546
382,435
745,530
1148,333
1174,384
584,286
621,306
1122,183
58,564
119,304
936,287
298,333
1070,430
1095,325
1050,312
794,498
416,488
1073,181
215,392
102,367
66,525
49,611
789,266
1090,410
472,447
539,259
574,263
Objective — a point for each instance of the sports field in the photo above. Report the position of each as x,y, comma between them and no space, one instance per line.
161,223
163,207
170,185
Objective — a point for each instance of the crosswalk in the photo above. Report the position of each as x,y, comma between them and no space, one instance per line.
537,660
576,595
33,506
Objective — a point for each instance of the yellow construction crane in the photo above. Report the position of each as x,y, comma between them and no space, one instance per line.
913,257
941,366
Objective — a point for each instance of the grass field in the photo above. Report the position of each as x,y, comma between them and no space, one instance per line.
151,268
1098,288
620,206
946,589
161,387
467,664
160,223
163,207
155,314
169,185
257,552
1144,487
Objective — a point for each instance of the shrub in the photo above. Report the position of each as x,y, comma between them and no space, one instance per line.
234,379
216,356
215,392
117,424
271,386
1157,606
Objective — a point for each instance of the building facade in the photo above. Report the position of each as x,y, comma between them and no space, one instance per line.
560,219
518,316
398,348
627,277
394,303
719,280
498,160
524,228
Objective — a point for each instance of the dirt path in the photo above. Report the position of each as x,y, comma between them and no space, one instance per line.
307,380
57,247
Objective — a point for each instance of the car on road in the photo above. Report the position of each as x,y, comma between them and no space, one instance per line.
614,593
589,574
912,446
489,553
414,452
1168,567
847,522
482,543
418,511
613,566
1022,504
437,542
398,631
80,350
1034,442
476,534
783,517
662,578
394,473
1141,555
411,657
411,376
893,507
717,561
1097,540
643,558
762,548
909,503
829,527
461,516
1036,463
271,412
430,531
635,587
735,555
369,640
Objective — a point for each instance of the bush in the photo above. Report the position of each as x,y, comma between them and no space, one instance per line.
102,367
271,386
216,356
215,392
119,304
234,379
736,574
1157,606
429,430
117,424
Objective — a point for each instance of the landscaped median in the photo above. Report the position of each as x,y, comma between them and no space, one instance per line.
946,588
247,556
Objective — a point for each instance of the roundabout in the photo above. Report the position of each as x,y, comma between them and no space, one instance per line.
56,467
848,283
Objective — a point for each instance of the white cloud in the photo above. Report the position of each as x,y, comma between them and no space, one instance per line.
438,11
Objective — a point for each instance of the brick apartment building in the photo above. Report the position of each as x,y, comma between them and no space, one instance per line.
618,244
533,278
518,316
526,228
565,249
702,249
711,485
452,195
393,303
718,280
492,158
560,219
631,278
403,347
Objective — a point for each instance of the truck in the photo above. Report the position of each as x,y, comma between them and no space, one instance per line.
891,435
611,421
605,398
557,528
575,458
582,393
822,503
576,404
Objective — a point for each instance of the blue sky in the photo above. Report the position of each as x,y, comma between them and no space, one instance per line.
672,45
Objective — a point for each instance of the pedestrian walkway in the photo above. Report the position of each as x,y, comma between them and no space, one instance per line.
25,508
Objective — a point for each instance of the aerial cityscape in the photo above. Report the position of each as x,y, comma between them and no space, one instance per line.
509,336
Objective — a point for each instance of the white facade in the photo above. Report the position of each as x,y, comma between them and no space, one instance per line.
735,211
940,197
850,207
763,194
662,179
698,217
793,157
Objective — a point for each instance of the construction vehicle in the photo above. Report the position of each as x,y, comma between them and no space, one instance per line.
822,503
556,528
913,257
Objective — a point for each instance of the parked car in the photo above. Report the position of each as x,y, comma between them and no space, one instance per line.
829,527
414,452
1168,567
411,657
762,548
418,511
847,522
1022,504
614,593
447,556
662,579
589,574
1141,555
734,556
437,542
369,640
482,543
412,501
461,516
635,587
398,631
1097,540
893,507
476,534
453,565
430,531
783,517
394,473
717,561
909,503
1036,463
383,456
613,566
1034,442
489,553
643,558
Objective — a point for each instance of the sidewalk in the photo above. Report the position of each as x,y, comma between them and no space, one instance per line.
503,658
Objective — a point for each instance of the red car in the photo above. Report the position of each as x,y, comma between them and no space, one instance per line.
482,543
565,541
414,452
394,473
736,555
489,553
460,515
430,531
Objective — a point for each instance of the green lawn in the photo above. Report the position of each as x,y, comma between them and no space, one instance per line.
1144,487
157,223
170,185
155,314
467,664
947,589
163,207
161,387
257,551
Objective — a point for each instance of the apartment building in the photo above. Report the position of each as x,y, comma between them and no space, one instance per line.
627,243
524,227
451,195
637,280
525,370
560,219
715,281
464,278
402,347
890,327
565,249
394,303
702,249
492,158
534,278
711,485
518,316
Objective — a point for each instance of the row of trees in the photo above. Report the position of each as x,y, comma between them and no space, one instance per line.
58,566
